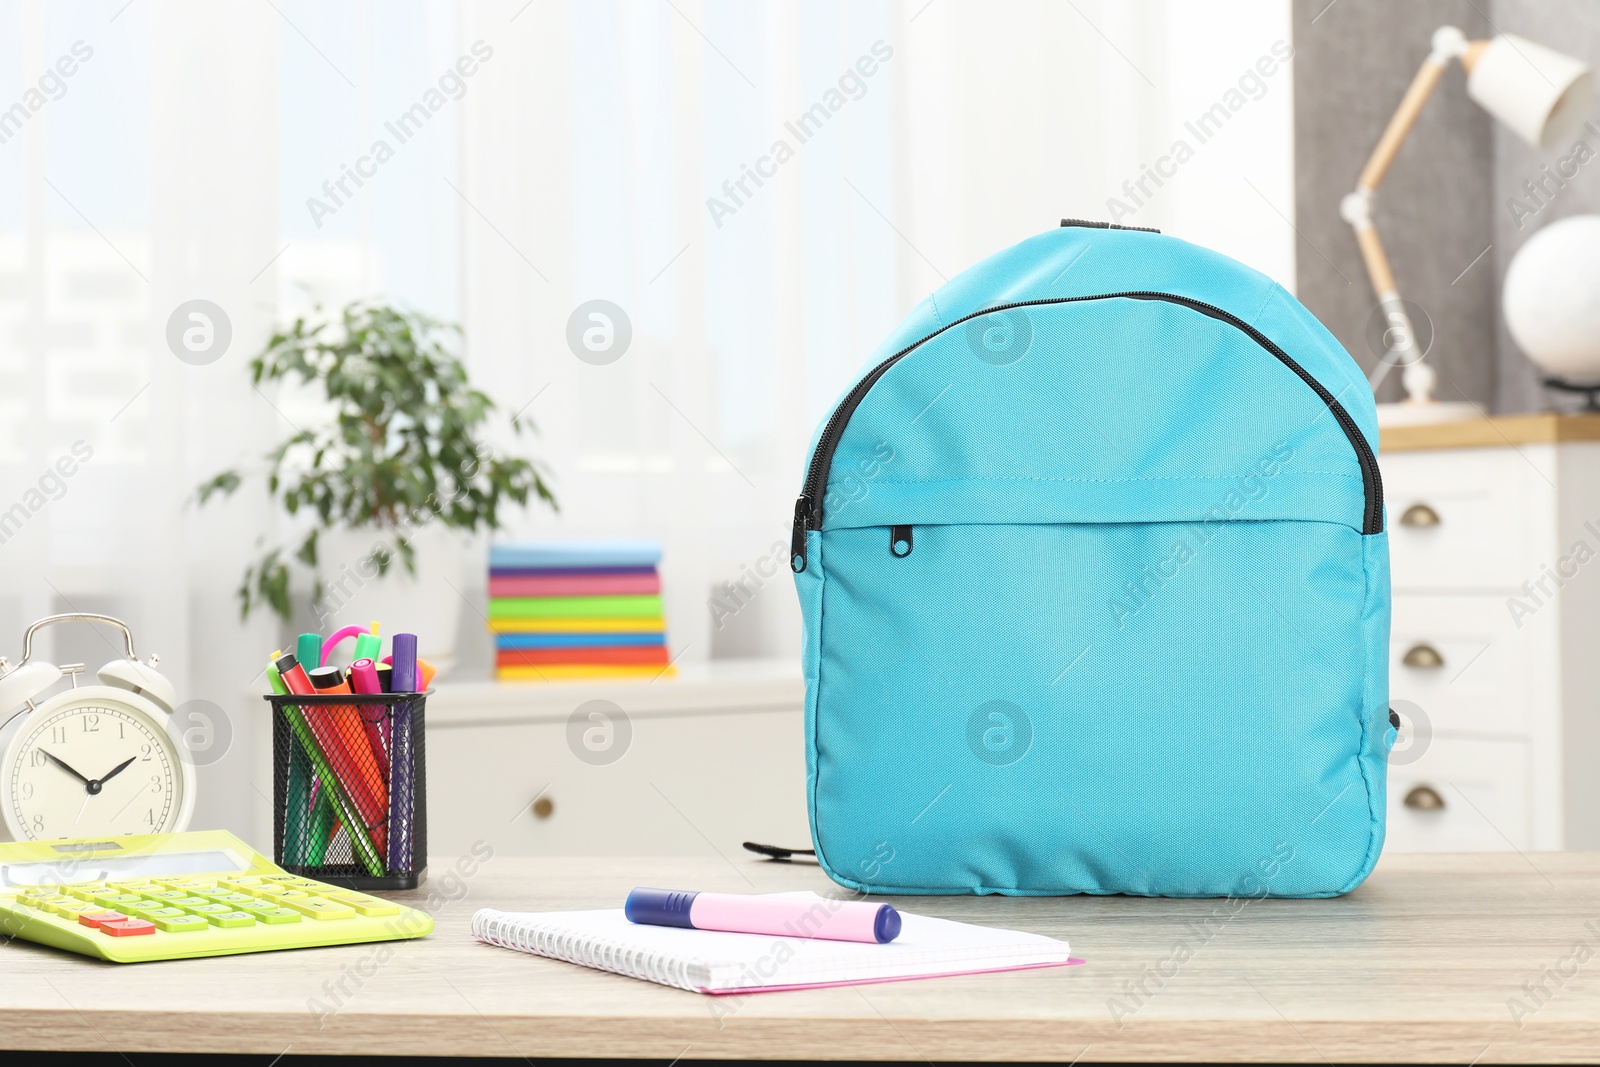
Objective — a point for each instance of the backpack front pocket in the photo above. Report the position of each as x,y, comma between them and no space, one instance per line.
1173,708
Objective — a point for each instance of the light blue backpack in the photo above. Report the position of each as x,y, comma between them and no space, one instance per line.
1096,588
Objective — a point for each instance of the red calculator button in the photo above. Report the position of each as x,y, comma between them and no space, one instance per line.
100,918
128,928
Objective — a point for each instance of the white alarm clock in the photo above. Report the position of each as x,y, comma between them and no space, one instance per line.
95,760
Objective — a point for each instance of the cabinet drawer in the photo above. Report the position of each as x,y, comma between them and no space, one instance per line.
1466,519
1482,793
1469,667
685,785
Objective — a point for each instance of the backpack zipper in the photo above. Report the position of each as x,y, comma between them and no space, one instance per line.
808,508
900,541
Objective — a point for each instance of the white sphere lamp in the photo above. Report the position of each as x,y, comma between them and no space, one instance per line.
1552,304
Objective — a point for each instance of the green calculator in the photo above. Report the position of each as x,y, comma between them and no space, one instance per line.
176,896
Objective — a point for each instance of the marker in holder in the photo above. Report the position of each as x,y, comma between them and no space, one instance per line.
366,812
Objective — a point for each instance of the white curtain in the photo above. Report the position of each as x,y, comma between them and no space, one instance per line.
186,159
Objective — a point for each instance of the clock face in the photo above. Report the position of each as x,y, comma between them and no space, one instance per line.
92,768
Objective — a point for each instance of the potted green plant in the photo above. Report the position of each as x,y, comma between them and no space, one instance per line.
399,472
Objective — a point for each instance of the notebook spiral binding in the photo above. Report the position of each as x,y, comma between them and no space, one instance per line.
606,954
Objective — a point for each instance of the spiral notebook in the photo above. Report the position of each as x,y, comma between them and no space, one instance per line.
709,961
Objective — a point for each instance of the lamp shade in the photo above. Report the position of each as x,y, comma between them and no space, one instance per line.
1538,92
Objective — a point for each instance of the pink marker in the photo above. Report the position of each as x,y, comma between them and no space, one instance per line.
374,717
782,916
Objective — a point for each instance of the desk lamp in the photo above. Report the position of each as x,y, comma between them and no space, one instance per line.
1540,94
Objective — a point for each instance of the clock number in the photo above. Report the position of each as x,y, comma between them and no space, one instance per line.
39,759
146,750
58,735
150,816
91,724
38,824
155,783
27,790
122,730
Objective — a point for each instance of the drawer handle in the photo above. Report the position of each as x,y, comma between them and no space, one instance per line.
1424,798
1425,657
1419,515
543,808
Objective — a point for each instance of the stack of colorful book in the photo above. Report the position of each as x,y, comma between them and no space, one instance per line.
577,609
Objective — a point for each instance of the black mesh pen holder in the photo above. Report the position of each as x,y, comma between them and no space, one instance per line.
349,788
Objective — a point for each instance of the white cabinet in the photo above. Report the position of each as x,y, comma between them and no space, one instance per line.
1494,533
1462,796
689,766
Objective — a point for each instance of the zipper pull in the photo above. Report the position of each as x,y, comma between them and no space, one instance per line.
900,541
797,537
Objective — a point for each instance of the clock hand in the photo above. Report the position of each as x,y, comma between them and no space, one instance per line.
64,766
118,769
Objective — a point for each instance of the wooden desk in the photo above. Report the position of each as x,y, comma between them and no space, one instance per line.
1418,964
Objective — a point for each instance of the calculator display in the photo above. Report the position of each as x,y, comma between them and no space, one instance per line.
114,868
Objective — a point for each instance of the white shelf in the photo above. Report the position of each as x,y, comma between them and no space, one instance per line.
718,685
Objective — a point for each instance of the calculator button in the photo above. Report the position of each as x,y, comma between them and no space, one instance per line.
188,902
128,928
187,883
248,880
99,918
41,891
229,898
206,909
229,920
270,890
275,916
69,909
143,908
181,924
319,909
366,905
80,894
162,913
114,900
167,894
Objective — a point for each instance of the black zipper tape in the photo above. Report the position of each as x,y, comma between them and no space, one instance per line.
808,508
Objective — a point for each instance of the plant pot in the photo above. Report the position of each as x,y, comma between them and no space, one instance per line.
427,603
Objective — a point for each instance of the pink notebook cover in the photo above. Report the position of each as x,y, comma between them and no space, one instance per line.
575,585
719,963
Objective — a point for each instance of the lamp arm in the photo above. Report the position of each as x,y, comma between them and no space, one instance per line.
1402,122
1448,43
1356,208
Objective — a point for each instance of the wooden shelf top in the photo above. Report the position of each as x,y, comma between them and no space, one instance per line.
1417,965
1500,431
